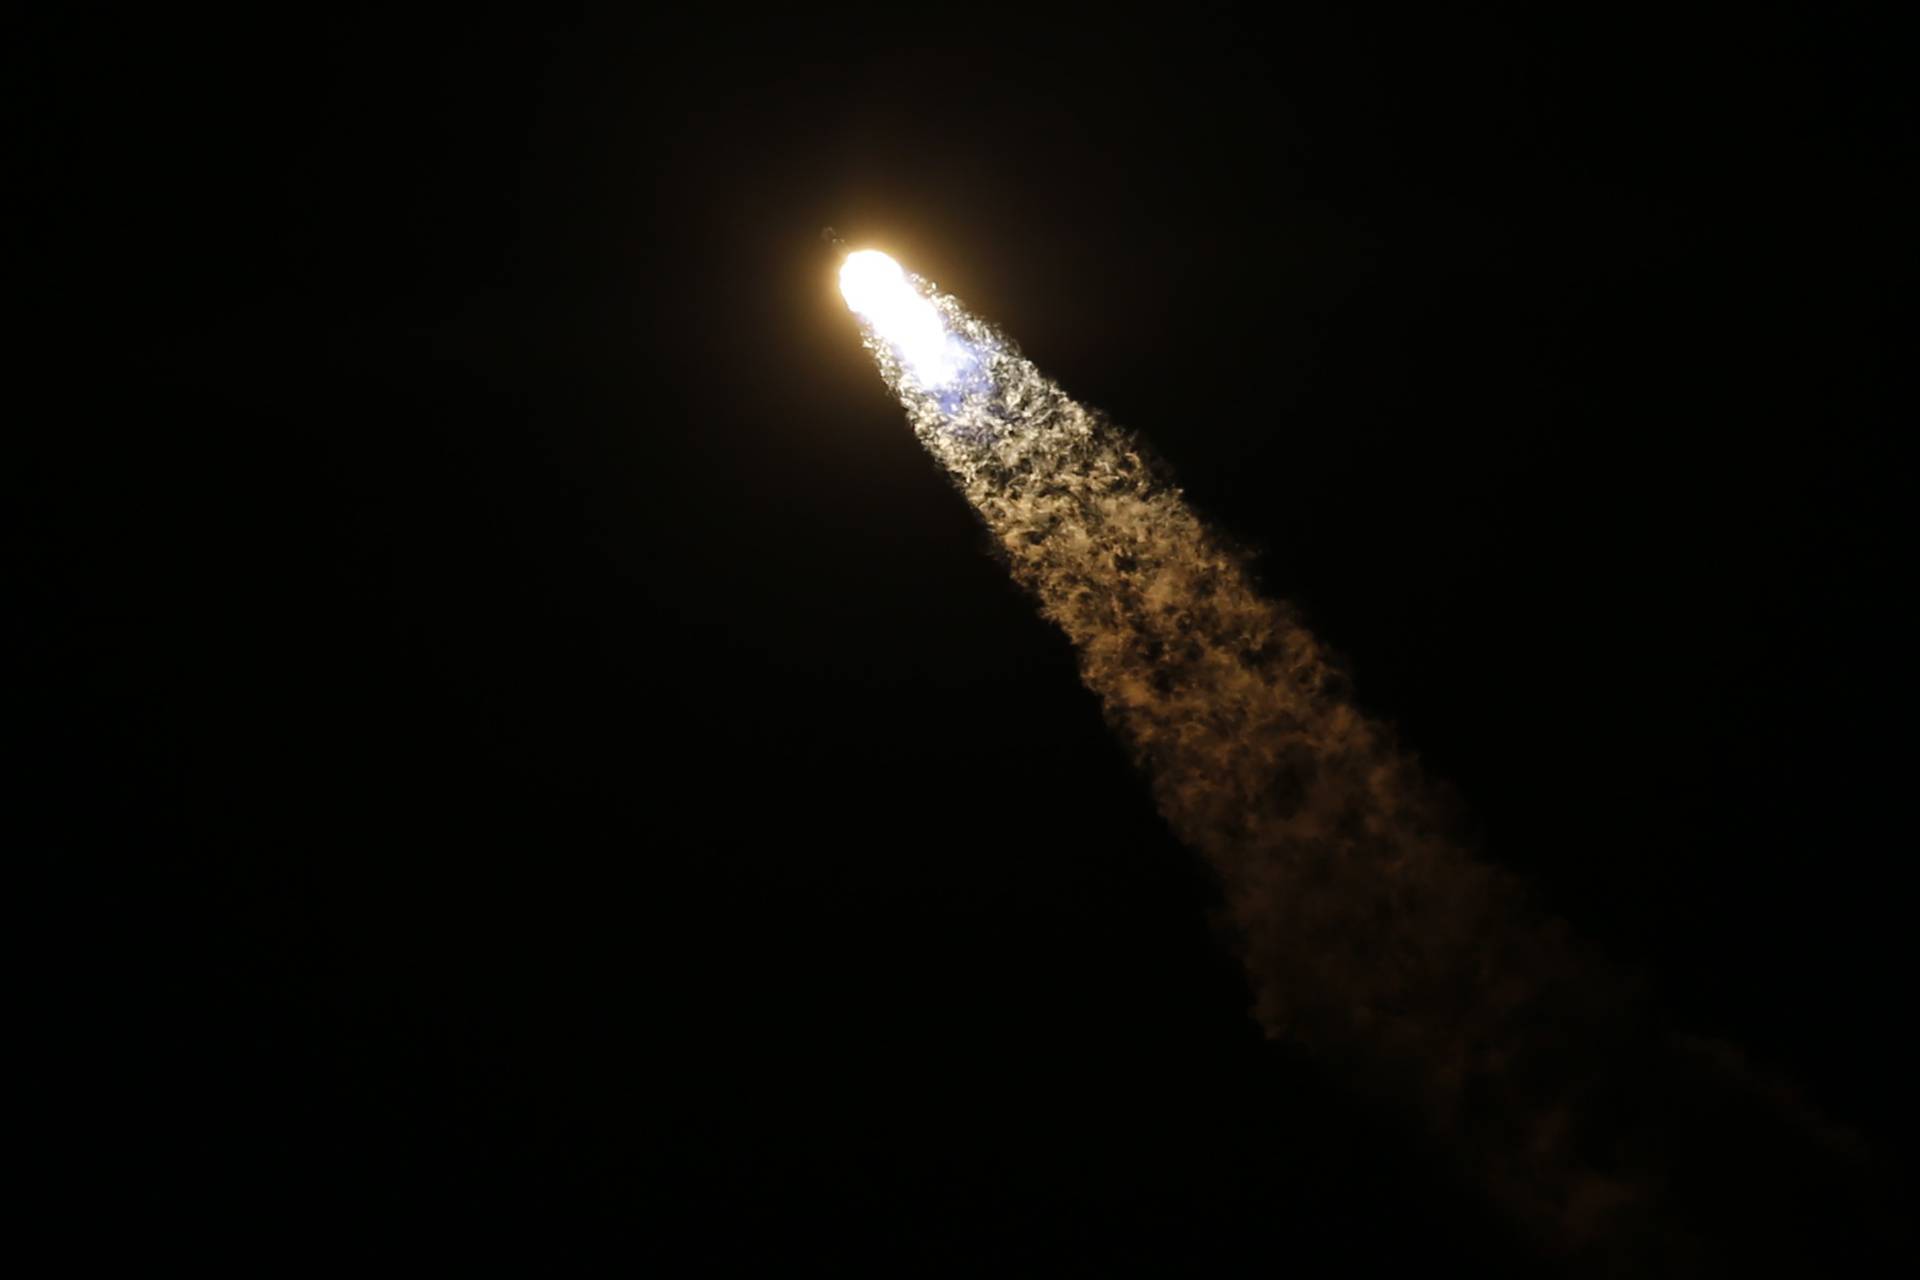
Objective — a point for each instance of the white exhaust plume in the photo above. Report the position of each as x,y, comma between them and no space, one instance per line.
1371,937
877,289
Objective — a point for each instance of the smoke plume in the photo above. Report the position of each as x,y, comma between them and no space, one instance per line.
1371,936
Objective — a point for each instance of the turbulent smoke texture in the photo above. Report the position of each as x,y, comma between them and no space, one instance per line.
1372,937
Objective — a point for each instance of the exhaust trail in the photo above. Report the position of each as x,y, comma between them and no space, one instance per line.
1371,936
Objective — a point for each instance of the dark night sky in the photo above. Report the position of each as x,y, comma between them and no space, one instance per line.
521,750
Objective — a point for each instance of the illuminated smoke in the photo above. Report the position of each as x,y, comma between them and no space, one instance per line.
1370,936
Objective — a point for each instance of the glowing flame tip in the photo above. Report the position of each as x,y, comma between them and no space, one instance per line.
879,292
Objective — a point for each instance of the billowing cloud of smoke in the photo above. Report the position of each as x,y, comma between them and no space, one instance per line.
1371,936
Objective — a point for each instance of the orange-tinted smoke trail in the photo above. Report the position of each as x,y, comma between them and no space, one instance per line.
1371,936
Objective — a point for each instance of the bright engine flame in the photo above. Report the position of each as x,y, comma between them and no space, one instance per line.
877,290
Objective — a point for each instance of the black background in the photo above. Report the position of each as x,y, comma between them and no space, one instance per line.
521,750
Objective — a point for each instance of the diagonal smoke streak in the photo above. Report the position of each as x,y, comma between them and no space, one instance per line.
1371,936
